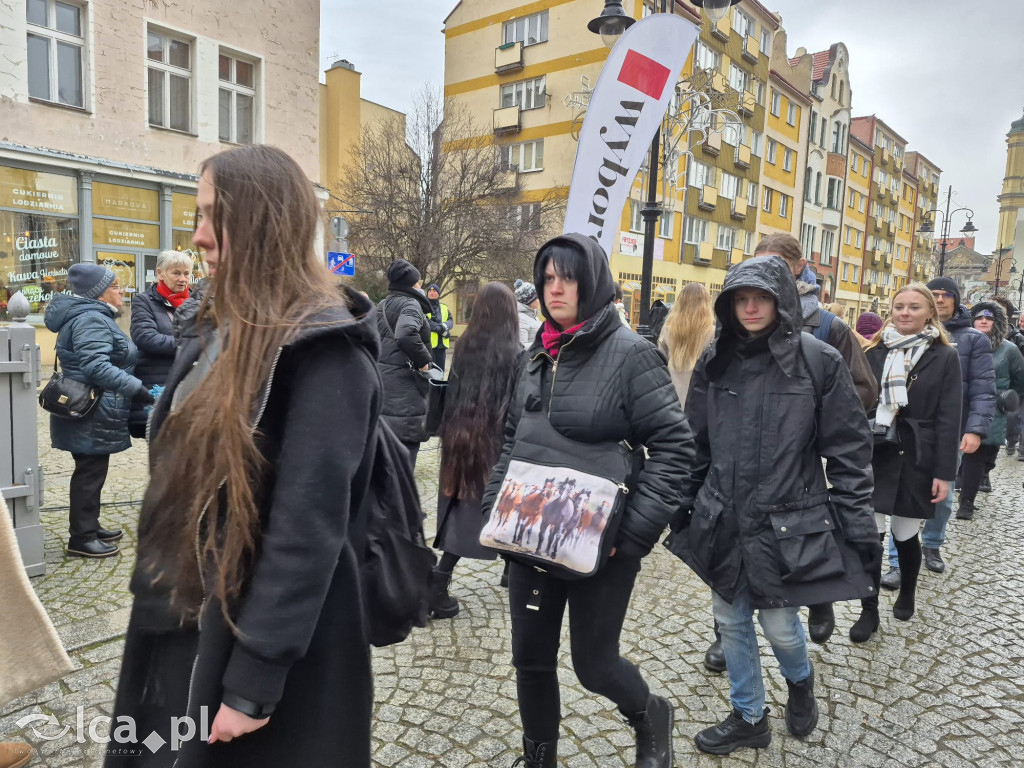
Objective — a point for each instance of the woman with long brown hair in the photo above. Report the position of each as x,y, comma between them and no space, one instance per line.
688,329
916,423
259,461
481,383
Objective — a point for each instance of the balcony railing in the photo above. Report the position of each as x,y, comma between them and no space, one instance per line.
739,208
708,198
713,144
741,156
705,252
508,57
722,29
506,120
751,49
746,105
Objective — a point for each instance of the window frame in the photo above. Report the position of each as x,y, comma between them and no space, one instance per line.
791,114
519,91
722,229
776,103
167,69
787,159
55,38
693,225
783,206
772,151
517,152
636,219
542,29
236,89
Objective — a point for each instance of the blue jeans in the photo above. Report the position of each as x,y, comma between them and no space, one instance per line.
782,628
934,533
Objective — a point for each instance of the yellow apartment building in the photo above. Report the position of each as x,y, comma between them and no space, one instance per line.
927,174
905,227
782,177
888,149
851,292
344,115
522,69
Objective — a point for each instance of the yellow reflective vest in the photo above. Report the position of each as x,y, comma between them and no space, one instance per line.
445,316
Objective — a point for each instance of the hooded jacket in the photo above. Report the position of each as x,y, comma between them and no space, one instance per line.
405,348
761,509
93,350
977,372
609,385
300,642
1007,363
529,324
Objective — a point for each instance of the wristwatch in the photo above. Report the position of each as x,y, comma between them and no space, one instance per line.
246,707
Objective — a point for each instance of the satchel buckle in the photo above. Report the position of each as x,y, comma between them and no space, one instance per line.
62,399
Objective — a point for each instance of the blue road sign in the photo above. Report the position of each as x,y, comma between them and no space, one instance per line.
341,263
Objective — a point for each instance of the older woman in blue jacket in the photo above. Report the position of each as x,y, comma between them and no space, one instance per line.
93,350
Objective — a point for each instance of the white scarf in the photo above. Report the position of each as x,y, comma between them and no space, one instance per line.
904,352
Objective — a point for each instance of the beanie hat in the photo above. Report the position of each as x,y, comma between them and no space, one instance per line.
402,274
526,293
946,284
434,287
90,281
868,324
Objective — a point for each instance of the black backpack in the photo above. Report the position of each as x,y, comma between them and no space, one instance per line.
395,561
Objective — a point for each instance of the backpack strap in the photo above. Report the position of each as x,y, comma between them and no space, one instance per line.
821,331
815,365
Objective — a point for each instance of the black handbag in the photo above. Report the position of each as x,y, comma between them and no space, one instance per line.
67,398
437,394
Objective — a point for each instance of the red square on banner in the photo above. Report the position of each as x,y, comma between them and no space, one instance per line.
644,74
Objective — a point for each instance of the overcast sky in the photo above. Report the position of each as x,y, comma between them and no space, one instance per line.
946,75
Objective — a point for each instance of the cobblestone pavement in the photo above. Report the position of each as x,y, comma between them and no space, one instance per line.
945,689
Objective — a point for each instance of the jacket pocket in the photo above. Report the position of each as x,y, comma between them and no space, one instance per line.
925,440
712,541
806,543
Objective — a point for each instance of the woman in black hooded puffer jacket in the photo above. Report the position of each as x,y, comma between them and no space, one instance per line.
598,381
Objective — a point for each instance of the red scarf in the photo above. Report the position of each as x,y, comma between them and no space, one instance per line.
552,337
176,299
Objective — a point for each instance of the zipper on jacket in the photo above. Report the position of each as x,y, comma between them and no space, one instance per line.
199,523
554,370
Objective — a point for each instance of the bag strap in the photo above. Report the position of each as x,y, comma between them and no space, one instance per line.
824,326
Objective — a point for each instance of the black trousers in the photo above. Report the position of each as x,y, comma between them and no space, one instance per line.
413,449
439,354
597,609
973,467
86,486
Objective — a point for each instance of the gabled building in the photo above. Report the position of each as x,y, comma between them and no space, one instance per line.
927,175
851,291
825,169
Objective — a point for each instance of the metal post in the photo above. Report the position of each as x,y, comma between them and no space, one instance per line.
651,213
945,233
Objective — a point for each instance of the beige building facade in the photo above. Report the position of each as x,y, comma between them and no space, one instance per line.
108,109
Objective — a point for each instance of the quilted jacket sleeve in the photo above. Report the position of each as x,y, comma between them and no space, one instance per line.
980,380
656,422
407,334
94,344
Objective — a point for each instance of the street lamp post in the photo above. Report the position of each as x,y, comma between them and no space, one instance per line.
926,226
999,267
610,25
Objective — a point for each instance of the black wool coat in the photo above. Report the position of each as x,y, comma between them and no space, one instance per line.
300,642
762,513
404,349
929,433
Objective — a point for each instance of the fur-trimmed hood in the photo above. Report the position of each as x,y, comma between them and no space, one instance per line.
1000,326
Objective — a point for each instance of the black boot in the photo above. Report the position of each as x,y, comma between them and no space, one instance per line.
714,657
868,622
821,622
653,729
966,509
801,708
910,566
442,605
504,576
985,486
734,732
538,754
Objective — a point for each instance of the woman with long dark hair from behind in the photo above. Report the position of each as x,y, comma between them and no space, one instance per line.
481,383
916,424
260,462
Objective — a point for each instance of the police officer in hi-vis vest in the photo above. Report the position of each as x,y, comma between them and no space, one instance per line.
441,322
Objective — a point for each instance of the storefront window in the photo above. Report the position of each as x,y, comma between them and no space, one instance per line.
35,254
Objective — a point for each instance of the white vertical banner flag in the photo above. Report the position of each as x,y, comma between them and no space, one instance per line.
625,109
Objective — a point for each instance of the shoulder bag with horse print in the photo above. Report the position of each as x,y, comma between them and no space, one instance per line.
560,502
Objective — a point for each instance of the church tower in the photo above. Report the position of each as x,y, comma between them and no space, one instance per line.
1011,201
